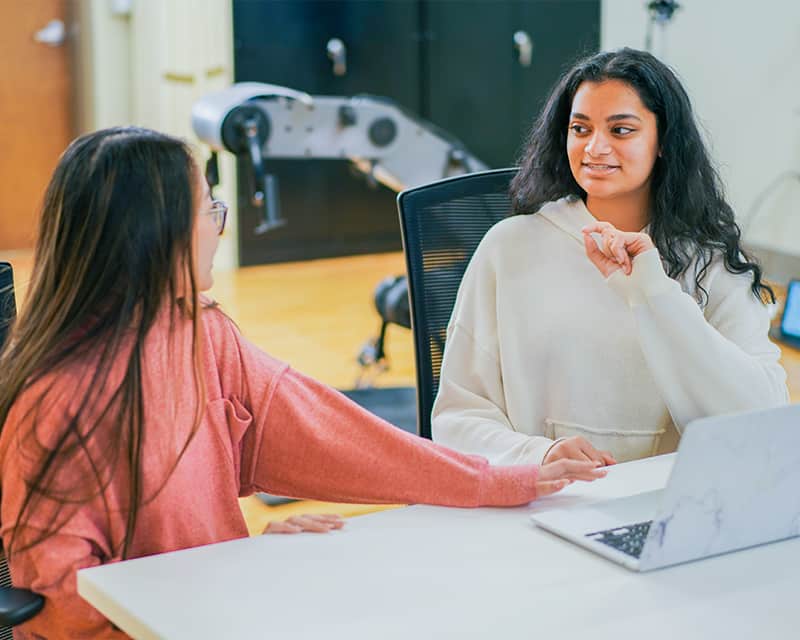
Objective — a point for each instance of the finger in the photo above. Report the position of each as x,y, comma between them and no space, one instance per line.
608,458
617,249
549,487
595,473
600,260
311,524
592,454
597,227
332,520
571,470
573,452
628,264
561,469
282,527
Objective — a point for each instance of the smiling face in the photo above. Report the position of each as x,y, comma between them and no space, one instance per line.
612,142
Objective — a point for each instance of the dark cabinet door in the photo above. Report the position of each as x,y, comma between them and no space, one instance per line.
561,31
482,89
330,210
458,63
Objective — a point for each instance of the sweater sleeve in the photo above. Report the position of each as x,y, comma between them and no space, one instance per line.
308,440
470,412
705,363
50,569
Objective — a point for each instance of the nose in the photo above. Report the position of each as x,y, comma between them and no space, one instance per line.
598,144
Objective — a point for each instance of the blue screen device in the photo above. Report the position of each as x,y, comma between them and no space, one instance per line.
790,321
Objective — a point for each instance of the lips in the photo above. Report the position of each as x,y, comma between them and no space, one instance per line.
598,169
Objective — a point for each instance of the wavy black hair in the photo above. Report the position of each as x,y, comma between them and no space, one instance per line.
690,217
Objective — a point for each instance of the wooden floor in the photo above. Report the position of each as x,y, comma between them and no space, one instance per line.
316,315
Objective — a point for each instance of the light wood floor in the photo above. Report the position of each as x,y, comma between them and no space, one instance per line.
316,315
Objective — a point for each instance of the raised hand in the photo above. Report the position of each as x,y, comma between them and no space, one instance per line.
616,249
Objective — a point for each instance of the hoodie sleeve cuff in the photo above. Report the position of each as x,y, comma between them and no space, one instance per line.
509,486
647,279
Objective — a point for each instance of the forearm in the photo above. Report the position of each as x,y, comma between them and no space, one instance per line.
700,370
469,414
318,444
50,569
490,436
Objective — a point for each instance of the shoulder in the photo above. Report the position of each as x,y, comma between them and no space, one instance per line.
709,266
230,349
522,228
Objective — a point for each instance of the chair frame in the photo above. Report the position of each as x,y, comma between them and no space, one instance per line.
409,202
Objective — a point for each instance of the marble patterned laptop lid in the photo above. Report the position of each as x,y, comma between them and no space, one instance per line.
734,485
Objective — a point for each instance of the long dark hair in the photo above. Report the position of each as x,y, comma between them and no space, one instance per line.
690,217
115,244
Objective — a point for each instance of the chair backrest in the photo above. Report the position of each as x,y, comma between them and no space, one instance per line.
8,307
16,605
442,224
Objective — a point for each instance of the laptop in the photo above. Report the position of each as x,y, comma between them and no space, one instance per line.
735,484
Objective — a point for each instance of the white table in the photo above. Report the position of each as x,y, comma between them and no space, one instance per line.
431,572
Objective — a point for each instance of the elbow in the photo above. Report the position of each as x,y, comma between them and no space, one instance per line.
775,392
443,429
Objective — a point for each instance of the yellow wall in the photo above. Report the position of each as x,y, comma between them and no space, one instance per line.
148,66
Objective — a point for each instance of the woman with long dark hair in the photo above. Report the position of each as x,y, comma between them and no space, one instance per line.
135,414
616,304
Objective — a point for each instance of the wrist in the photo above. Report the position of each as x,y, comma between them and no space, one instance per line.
550,448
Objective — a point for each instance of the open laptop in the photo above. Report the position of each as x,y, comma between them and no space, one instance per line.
735,484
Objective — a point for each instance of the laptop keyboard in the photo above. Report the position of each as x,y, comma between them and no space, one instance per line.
628,539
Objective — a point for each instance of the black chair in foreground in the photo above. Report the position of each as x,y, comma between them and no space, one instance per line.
442,224
16,605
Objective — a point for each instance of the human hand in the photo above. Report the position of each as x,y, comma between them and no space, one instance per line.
577,448
554,476
617,248
314,523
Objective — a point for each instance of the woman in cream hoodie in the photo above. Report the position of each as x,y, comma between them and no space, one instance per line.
616,304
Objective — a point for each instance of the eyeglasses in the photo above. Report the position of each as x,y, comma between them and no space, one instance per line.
219,211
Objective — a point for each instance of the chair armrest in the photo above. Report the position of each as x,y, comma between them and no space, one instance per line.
18,605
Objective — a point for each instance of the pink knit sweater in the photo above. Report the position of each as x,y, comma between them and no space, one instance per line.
265,427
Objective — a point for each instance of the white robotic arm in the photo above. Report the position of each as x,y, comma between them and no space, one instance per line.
383,140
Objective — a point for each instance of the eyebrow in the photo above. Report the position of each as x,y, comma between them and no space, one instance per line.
617,116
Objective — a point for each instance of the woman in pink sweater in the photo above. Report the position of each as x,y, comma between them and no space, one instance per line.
135,414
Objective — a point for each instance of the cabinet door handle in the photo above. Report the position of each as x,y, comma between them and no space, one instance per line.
524,46
337,52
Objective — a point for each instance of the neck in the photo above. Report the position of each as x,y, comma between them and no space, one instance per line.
628,212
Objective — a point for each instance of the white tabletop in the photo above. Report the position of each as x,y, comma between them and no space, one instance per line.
433,572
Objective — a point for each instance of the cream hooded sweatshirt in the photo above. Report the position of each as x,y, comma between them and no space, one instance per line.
541,346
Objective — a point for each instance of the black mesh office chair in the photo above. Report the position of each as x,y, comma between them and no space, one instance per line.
442,224
16,605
